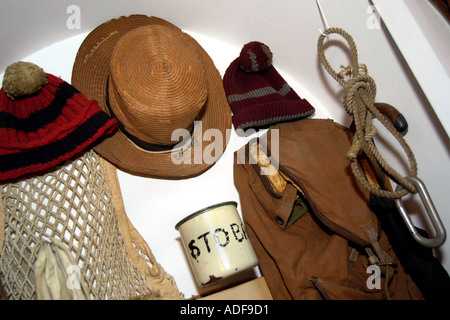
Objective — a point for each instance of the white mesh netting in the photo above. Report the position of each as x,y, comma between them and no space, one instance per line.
80,205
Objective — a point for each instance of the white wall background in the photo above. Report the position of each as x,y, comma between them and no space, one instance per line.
43,32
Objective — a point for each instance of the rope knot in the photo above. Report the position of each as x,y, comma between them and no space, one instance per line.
359,102
348,70
359,91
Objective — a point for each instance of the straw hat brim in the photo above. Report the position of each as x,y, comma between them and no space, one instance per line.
90,74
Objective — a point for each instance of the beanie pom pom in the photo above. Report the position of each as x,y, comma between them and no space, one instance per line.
23,79
255,57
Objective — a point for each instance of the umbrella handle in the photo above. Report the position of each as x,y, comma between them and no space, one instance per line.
397,119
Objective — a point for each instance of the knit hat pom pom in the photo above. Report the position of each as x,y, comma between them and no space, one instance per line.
255,57
23,79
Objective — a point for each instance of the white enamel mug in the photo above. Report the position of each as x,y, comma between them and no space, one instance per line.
216,243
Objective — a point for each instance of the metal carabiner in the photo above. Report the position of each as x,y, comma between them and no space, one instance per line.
440,234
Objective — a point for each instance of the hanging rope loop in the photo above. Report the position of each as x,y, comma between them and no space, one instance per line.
359,102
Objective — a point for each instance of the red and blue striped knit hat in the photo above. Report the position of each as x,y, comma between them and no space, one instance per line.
44,121
257,94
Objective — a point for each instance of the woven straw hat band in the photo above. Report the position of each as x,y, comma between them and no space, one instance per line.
159,86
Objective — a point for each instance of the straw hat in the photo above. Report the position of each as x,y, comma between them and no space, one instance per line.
164,90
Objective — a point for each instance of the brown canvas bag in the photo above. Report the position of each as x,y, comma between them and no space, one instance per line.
309,220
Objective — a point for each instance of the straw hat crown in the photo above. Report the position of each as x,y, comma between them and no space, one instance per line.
157,87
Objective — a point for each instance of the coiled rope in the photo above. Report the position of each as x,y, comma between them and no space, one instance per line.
359,102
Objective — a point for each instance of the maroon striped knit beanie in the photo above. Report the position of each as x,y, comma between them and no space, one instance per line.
257,94
44,121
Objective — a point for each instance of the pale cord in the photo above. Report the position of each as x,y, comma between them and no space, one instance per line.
359,102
